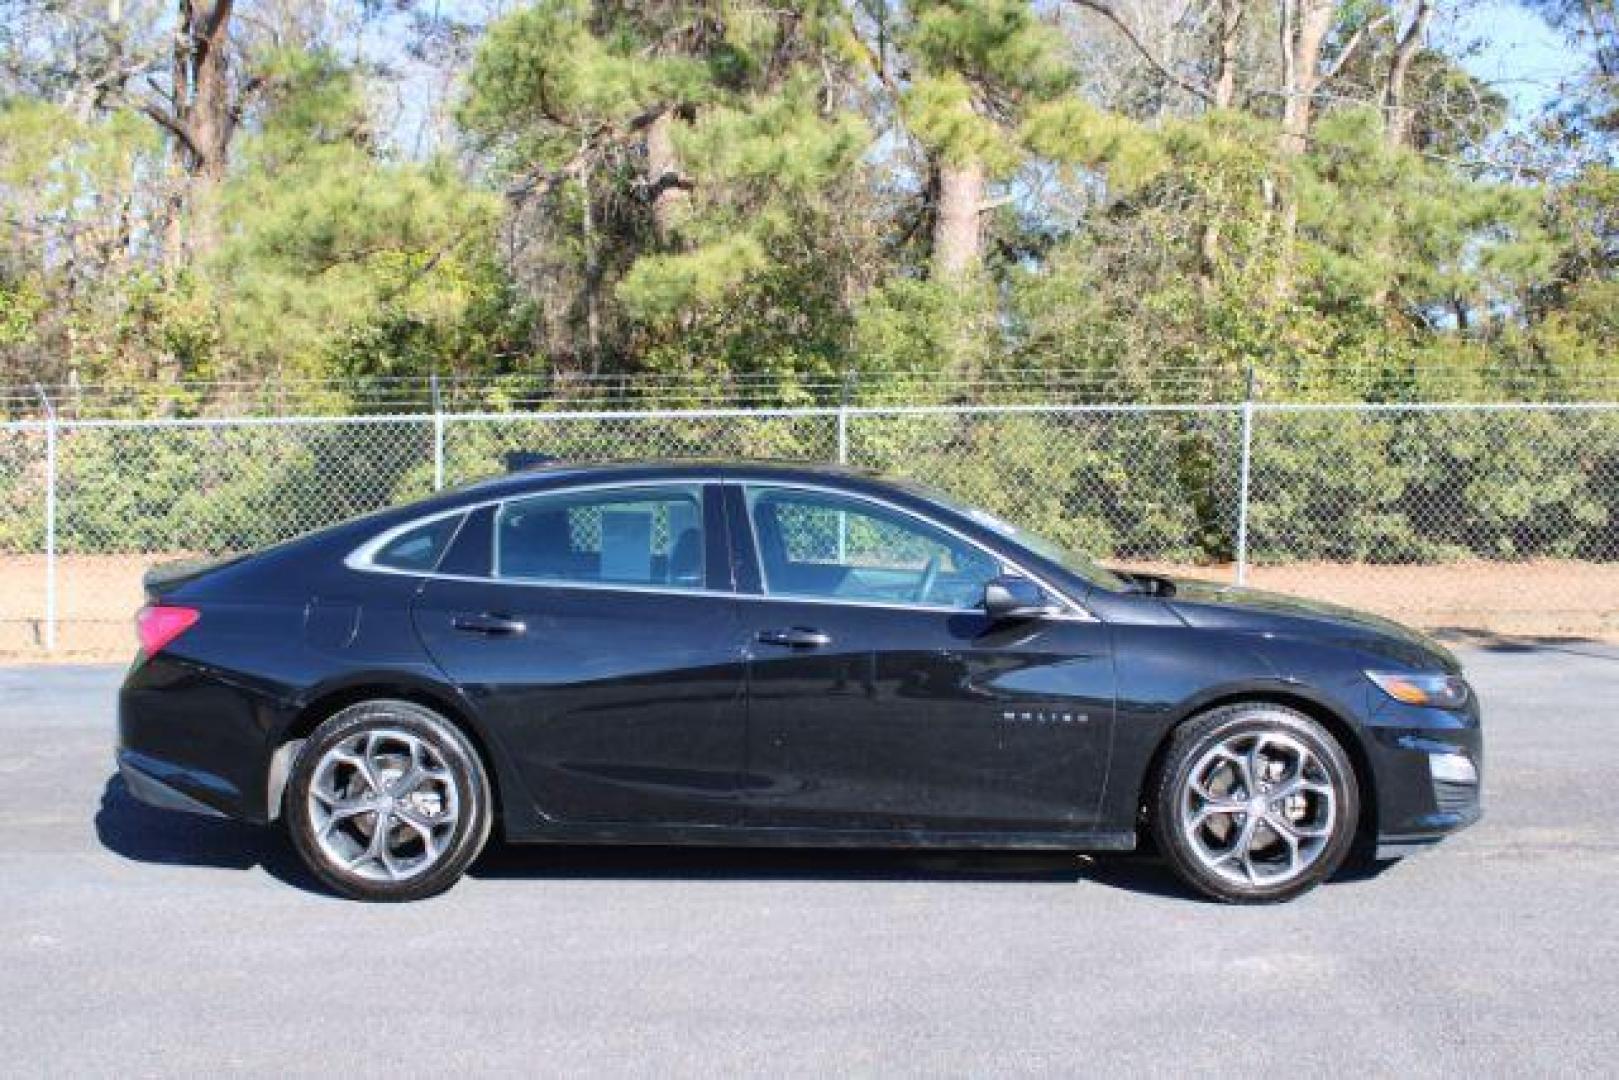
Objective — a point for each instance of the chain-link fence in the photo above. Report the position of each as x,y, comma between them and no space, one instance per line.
1531,490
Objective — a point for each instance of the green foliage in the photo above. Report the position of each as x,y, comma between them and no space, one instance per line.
334,247
974,57
781,146
1422,487
783,235
659,287
999,43
21,305
184,489
1073,132
764,172
544,67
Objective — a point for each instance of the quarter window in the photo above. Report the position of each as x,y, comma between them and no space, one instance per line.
634,536
419,549
828,546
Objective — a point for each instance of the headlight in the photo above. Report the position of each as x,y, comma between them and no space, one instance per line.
1435,691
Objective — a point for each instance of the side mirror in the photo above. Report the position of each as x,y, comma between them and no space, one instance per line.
1014,598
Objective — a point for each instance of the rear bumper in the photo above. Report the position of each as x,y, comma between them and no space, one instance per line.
164,786
190,741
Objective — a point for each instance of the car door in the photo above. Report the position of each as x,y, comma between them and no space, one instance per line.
880,695
601,641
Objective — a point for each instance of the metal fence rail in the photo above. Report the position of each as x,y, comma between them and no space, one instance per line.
86,502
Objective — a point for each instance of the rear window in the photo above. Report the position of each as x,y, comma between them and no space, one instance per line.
419,549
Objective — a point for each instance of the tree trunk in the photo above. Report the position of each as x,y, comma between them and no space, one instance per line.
1396,113
593,273
1397,130
664,181
202,121
957,234
210,121
1305,24
1304,27
1224,89
1223,96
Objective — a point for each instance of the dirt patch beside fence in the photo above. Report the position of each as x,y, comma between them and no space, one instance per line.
1534,599
97,596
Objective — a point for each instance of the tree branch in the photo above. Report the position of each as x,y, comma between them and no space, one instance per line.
1397,118
878,67
1106,11
216,19
1352,44
174,126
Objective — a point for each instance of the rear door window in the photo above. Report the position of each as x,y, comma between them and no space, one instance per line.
623,536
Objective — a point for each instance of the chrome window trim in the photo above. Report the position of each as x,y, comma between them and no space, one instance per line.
360,559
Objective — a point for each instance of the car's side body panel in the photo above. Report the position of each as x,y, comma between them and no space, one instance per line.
616,706
920,718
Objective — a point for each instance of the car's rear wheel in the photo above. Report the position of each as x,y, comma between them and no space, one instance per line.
388,801
1254,803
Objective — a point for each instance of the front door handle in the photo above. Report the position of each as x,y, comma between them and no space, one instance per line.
489,625
797,637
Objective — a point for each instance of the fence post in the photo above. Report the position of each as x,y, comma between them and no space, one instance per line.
50,518
1244,472
843,459
438,438
843,418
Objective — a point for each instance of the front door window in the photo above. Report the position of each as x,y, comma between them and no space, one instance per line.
832,547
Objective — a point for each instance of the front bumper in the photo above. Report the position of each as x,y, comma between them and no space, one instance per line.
1428,769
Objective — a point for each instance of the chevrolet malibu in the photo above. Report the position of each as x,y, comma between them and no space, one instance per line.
776,655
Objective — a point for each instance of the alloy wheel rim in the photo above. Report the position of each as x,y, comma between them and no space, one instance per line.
383,804
1258,809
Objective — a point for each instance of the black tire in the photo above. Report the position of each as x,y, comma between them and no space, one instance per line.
442,852
1323,830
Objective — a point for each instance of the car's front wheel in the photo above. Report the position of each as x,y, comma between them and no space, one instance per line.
388,801
1254,803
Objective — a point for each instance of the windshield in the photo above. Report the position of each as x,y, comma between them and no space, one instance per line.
1071,561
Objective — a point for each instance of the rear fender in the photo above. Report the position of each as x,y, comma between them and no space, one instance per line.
331,696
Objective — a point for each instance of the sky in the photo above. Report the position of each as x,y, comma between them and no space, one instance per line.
1501,42
1515,51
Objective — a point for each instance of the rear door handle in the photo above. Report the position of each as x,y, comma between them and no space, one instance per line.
797,637
489,625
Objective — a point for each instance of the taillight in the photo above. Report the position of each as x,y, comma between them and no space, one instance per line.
159,624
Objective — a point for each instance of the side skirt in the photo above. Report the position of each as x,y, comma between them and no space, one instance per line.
741,836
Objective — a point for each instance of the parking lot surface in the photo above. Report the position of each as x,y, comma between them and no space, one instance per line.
143,942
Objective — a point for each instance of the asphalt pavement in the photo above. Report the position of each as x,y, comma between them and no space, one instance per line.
141,942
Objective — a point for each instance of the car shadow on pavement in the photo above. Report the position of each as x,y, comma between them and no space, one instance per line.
1590,648
141,833
129,828
1136,873
682,863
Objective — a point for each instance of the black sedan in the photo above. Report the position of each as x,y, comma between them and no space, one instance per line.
776,655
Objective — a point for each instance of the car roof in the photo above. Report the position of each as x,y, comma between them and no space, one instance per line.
559,473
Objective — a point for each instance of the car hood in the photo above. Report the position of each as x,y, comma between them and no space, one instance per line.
1206,603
